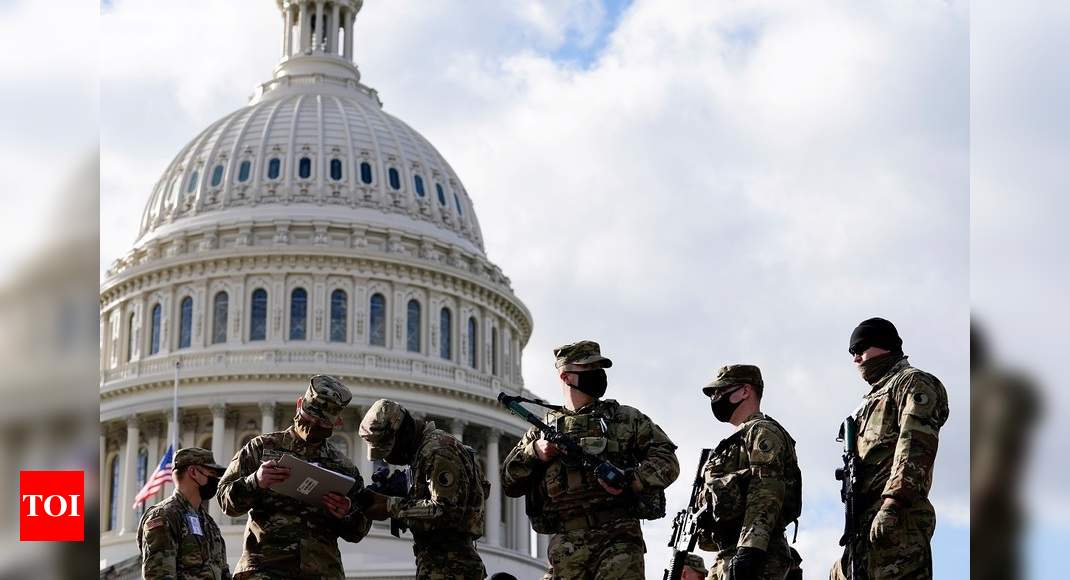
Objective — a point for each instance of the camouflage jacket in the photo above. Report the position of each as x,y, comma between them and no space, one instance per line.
285,536
753,487
898,430
562,490
447,494
179,542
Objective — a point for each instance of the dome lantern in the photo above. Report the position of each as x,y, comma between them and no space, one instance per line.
317,38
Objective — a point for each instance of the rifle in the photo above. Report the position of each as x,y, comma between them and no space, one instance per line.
605,471
850,478
685,524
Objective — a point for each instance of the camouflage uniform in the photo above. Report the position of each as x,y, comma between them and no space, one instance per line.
178,541
898,429
445,505
596,535
753,487
284,537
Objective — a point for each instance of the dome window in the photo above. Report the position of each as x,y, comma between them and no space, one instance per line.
366,172
413,325
457,200
217,175
473,344
185,322
418,184
441,194
274,168
304,168
258,317
243,171
336,169
154,334
377,325
395,179
192,182
445,328
298,314
219,318
339,306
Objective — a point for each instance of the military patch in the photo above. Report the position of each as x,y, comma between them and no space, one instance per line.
764,445
445,478
155,523
921,399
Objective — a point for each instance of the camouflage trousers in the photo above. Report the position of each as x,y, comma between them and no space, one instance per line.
779,560
612,552
906,552
461,563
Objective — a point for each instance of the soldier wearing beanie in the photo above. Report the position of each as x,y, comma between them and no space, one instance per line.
284,537
595,528
899,424
445,505
177,537
753,486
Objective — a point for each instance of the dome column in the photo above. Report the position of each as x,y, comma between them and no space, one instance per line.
287,32
318,27
494,502
127,525
303,32
347,49
219,416
332,30
267,416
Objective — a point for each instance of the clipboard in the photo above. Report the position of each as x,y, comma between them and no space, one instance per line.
309,483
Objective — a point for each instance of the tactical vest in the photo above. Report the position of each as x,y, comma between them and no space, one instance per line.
728,475
567,495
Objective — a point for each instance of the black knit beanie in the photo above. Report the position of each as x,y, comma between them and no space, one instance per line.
875,332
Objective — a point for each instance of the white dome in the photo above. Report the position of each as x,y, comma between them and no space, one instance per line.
316,146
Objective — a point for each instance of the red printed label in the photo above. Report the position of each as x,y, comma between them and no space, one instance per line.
51,506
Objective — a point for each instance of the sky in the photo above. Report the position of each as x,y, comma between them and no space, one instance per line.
690,183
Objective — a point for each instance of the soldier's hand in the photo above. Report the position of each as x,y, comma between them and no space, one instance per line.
886,520
747,564
337,505
545,450
269,473
372,504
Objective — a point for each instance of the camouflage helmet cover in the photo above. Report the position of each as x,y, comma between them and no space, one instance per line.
197,456
325,398
380,427
694,561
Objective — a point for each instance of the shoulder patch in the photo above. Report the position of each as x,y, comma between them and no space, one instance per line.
445,478
920,398
154,523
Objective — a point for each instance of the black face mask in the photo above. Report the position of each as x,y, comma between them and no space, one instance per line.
723,408
591,383
209,488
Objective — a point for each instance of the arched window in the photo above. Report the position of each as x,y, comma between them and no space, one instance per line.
473,344
217,175
304,168
274,168
220,306
441,194
412,326
154,345
130,337
457,200
339,306
244,170
193,182
395,179
185,322
298,314
418,184
336,169
494,351
377,321
258,315
445,325
113,494
366,172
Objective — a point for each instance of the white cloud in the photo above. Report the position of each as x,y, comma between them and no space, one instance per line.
726,182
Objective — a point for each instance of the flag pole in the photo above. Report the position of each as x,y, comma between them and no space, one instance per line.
174,410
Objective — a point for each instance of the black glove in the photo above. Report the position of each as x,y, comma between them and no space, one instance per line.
747,564
393,484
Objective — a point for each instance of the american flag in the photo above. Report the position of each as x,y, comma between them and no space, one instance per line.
159,477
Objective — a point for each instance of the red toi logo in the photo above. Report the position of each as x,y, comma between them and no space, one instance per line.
52,506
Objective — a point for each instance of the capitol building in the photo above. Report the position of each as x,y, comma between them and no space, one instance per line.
308,232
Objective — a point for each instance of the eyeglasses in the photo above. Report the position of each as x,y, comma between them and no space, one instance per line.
725,392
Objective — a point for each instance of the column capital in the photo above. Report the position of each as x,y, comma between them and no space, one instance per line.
267,406
219,410
134,422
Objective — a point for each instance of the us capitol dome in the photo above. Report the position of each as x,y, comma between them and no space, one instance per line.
308,232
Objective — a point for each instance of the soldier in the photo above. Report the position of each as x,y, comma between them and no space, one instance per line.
286,538
694,568
595,527
898,427
445,505
753,486
177,538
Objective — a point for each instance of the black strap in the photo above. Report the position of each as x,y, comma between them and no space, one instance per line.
538,402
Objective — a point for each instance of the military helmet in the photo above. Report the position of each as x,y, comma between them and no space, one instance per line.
380,427
729,375
196,456
694,561
325,398
582,355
